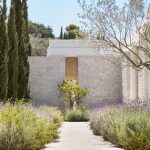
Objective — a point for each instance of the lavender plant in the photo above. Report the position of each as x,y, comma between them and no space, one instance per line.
127,126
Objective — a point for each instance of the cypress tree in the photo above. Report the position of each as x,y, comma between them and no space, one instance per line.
61,33
4,47
27,44
66,35
13,55
22,72
26,26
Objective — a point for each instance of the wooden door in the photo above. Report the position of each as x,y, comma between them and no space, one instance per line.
71,71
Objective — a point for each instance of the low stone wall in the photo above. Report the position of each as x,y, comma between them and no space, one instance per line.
102,77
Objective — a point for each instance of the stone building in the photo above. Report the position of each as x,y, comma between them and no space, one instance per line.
74,59
136,84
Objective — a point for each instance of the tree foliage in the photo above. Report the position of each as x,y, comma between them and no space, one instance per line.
72,92
4,47
61,33
124,29
39,46
41,31
13,55
27,44
74,32
23,66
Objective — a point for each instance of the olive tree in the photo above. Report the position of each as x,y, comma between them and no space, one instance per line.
125,30
72,92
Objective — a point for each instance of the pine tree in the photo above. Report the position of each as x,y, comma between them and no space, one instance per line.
61,33
22,72
27,43
13,55
4,47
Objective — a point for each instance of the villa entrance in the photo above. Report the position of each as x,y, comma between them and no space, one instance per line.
71,68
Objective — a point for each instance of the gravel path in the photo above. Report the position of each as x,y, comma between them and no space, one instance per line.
78,136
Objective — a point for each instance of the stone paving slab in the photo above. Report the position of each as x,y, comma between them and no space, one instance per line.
78,136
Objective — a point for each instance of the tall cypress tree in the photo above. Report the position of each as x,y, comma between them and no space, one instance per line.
61,33
27,44
13,55
4,47
22,73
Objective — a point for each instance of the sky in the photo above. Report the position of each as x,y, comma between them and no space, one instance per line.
55,13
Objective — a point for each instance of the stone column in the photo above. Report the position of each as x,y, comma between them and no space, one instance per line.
133,79
146,83
126,81
133,83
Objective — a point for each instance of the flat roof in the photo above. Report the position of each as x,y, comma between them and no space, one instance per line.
71,48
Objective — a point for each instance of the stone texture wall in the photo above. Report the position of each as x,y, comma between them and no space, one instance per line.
143,83
126,82
45,74
101,76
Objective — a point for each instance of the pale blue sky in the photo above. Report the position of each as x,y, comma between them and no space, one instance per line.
56,13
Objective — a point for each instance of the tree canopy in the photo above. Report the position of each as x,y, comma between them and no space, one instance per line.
124,29
72,32
40,30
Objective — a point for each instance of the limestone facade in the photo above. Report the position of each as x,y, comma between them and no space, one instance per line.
106,81
102,77
136,84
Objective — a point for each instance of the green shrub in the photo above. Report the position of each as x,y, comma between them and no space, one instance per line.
72,92
23,129
52,114
127,127
77,115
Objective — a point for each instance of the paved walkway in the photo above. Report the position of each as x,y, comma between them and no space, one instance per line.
78,136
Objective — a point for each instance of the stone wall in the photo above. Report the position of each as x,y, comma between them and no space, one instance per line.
45,74
143,83
126,82
102,77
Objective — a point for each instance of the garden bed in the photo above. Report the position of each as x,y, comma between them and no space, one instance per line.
125,126
24,127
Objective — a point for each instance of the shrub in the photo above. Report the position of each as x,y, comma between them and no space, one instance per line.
77,115
72,92
52,114
39,46
22,129
127,127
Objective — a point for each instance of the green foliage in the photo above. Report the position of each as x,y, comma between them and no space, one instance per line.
72,92
61,33
13,55
27,45
23,127
23,65
40,31
125,126
77,115
52,114
73,32
4,48
39,46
